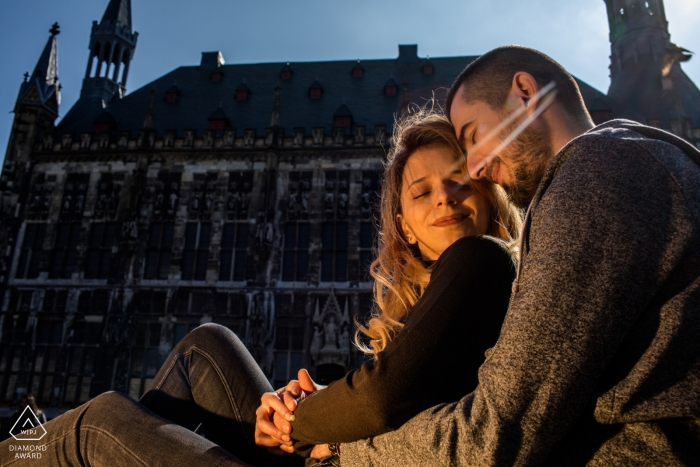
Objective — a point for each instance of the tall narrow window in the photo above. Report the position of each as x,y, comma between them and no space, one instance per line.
334,253
295,261
64,250
103,236
196,253
367,239
234,252
30,254
289,346
160,243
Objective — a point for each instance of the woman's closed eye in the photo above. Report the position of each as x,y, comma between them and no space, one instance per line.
422,194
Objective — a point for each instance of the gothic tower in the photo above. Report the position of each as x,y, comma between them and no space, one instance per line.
647,82
35,111
112,45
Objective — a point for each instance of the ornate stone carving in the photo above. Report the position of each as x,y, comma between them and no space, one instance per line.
260,328
331,339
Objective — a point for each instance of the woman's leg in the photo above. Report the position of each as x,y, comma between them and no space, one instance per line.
113,430
211,379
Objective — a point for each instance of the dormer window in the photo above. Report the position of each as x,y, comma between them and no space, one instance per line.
345,122
315,90
357,70
172,94
100,128
391,88
343,117
242,92
217,125
104,123
286,72
427,67
216,76
218,121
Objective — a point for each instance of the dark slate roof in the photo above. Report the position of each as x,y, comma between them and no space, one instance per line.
118,10
365,95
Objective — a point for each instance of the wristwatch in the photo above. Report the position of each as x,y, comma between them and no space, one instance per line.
334,448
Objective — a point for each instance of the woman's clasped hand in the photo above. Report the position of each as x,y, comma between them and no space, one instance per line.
273,425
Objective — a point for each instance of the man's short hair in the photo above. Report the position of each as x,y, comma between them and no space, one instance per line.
489,79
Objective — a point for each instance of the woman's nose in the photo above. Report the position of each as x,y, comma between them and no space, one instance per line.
446,194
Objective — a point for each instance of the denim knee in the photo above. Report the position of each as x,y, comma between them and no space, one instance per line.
210,335
110,400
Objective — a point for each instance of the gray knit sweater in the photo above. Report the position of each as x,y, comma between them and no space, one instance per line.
598,362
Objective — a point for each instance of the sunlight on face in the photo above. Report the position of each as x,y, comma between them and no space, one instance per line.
436,208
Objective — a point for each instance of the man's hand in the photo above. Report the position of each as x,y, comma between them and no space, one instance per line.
320,451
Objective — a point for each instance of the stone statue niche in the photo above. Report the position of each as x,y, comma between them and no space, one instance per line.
240,186
108,194
202,196
369,193
74,195
329,194
40,200
166,197
330,343
260,329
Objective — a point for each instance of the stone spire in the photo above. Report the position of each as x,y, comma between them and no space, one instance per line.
42,87
118,11
112,45
647,81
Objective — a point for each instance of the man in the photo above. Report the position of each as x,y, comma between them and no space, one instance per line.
598,362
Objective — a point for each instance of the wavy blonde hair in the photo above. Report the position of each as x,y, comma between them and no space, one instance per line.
400,277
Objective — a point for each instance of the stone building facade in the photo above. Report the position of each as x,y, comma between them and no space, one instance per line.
240,194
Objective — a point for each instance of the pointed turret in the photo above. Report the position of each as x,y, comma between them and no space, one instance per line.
112,45
118,11
42,87
647,81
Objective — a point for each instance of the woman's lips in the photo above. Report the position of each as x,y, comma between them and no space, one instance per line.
446,221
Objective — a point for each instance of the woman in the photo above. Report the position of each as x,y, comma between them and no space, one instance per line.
434,319
442,290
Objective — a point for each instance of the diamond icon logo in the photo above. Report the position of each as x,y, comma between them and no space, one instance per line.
27,427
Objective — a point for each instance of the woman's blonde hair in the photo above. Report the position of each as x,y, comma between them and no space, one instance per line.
400,277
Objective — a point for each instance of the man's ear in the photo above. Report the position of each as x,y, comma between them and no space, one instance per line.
405,230
523,92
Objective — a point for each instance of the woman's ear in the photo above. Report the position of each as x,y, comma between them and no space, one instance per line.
405,230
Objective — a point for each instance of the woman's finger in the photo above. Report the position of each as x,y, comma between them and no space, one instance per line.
273,401
306,383
289,399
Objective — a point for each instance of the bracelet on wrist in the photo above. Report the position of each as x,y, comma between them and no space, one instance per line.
334,448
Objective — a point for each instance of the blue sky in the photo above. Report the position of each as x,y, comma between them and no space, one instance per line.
173,33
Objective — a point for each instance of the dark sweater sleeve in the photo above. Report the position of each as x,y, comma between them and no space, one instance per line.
435,357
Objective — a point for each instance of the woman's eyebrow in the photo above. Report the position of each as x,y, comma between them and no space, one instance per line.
418,180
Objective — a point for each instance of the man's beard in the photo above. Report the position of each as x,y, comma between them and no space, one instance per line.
528,156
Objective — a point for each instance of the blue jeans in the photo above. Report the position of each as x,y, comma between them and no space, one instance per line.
209,381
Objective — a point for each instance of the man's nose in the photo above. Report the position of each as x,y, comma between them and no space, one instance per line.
476,165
